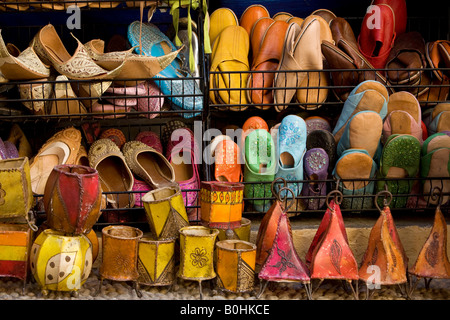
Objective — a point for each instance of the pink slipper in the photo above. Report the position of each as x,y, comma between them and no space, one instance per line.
151,139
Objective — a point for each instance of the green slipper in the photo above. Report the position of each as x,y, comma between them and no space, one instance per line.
400,159
260,166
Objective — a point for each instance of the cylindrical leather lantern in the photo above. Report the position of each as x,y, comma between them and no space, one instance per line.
72,198
120,253
235,265
59,262
156,262
241,233
166,212
221,204
197,253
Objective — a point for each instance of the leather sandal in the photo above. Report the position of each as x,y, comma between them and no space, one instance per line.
268,59
116,178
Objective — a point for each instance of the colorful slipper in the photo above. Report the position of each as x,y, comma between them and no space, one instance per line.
368,95
323,139
315,169
219,20
175,83
291,148
260,165
400,159
363,131
357,168
404,116
435,163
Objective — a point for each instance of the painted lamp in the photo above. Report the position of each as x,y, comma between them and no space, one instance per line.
15,242
59,262
166,212
120,255
384,261
156,262
197,254
222,203
235,265
72,198
16,195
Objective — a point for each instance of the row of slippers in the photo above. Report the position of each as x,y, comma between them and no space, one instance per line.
284,48
377,136
47,59
124,167
63,5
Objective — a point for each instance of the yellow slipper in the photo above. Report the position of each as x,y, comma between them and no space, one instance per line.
230,54
219,20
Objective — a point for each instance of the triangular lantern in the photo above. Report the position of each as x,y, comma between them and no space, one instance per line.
283,263
432,261
331,256
385,261
269,226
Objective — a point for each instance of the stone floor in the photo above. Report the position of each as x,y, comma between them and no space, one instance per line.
11,289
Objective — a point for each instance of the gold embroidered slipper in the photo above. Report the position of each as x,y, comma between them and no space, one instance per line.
25,65
79,66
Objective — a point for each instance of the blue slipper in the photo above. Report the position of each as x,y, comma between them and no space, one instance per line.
357,168
363,131
291,148
368,95
184,93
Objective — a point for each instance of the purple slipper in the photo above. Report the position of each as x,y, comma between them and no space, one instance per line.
315,168
3,151
11,150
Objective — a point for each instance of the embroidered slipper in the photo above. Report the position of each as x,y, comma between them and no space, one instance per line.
400,159
66,101
323,139
19,139
25,65
227,166
363,131
291,148
151,139
114,134
50,49
149,164
315,169
116,178
37,95
317,123
357,167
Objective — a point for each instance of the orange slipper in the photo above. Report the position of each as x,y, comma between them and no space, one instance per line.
251,15
268,59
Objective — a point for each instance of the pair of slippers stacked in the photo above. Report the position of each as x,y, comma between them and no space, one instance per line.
381,143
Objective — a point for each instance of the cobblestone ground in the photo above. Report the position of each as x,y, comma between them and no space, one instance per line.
11,289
